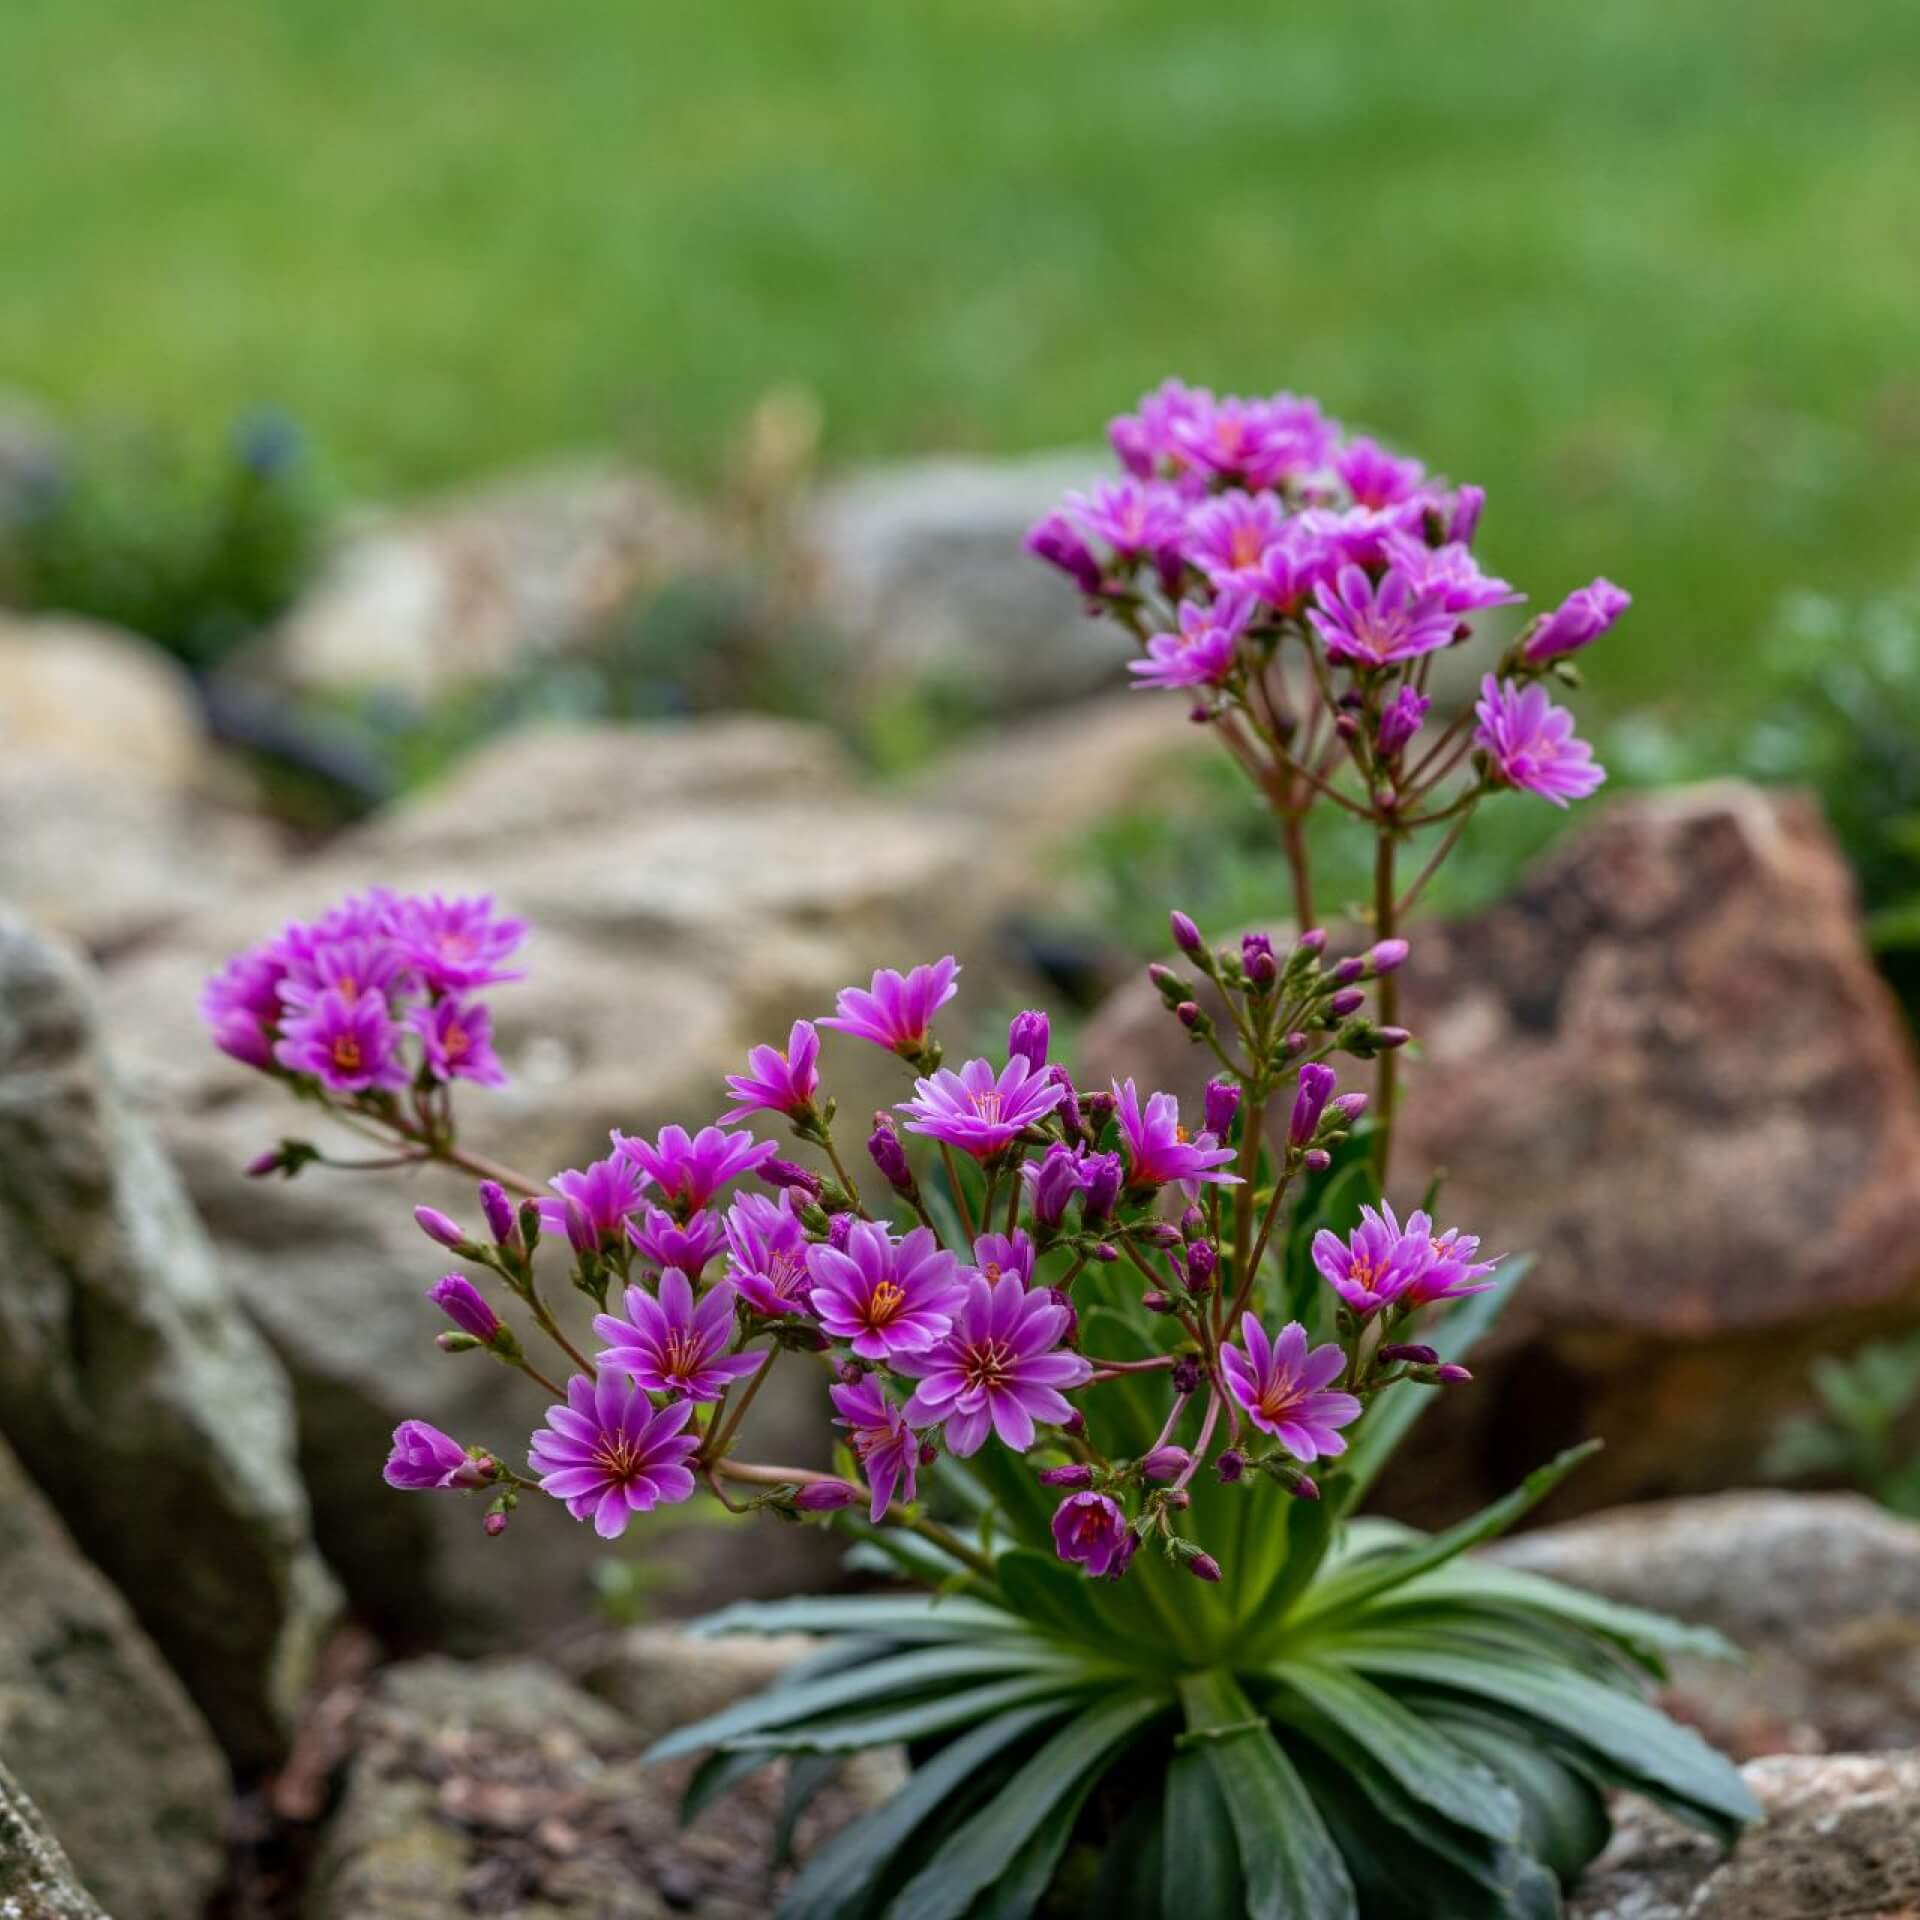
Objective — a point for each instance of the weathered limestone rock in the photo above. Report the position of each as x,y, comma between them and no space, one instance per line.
464,591
132,1387
1821,1592
1841,1842
1667,1067
500,1788
37,1880
97,1729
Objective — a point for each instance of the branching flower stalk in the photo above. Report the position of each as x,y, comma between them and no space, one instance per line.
1108,1377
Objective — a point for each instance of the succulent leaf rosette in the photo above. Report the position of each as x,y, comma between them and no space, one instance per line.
1108,1381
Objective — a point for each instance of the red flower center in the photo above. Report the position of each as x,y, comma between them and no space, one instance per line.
346,1053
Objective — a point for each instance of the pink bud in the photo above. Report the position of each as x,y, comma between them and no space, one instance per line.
1166,1463
825,1496
495,1524
1203,1566
1072,1476
436,1226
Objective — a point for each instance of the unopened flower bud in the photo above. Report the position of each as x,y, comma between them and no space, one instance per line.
1027,1038
436,1226
825,1496
886,1153
1155,1301
1166,1463
1256,956
1316,1159
494,1525
1384,955
1106,1253
1064,1301
1186,936
785,1174
1098,1108
1231,1466
1190,1016
501,1220
458,1343
1104,1173
1411,1352
1317,1082
531,1225
1346,726
1076,1477
1388,1038
1349,970
1312,942
840,1231
1161,1234
1293,1046
1348,1108
929,1453
1171,988
1201,1263
462,1302
580,1234
1075,1424
1221,1105
1203,1566
1186,1374
1347,1000
1305,1487
1451,1375
1193,1223
1177,1498
263,1164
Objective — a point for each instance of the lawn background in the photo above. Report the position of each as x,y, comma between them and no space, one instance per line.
1649,271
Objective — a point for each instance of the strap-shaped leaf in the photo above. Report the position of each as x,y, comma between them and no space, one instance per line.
1361,1580
1425,1764
842,1879
807,1774
916,1719
1565,1819
719,1773
980,1852
1388,1421
1645,1636
1293,1869
1201,1864
905,1617
925,1670
1668,1762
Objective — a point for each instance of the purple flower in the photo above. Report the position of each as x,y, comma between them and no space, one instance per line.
1157,1148
1531,742
1449,576
457,944
363,964
887,1298
1000,1367
608,1454
998,1253
1374,626
1316,1088
1400,720
981,1112
666,1242
457,1037
1028,1035
690,1169
1051,1183
1202,653
670,1345
1228,538
608,1193
1285,1390
768,1246
1057,541
349,1046
241,1004
1462,513
777,1081
1377,1262
463,1303
1145,438
1093,1529
897,1011
1375,477
425,1460
1451,1271
886,1447
1581,618
1133,520
1221,1105
1292,567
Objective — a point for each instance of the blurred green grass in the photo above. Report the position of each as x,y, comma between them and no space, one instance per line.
1647,271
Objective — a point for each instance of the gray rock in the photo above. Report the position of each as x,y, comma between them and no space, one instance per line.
97,1729
133,1389
920,565
464,591
1820,1591
1668,1068
1841,1841
37,1880
694,889
500,1788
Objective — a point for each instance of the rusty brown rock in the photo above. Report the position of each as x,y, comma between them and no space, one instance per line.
1667,1067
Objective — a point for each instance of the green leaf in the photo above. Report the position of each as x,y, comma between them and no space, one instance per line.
983,1850
1424,1764
1640,1745
906,1617
1052,1596
1201,1870
840,1880
1362,1580
1293,1869
1391,1417
1564,1818
922,1671
807,1773
719,1773
911,1719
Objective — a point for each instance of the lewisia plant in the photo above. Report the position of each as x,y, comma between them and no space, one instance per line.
1107,1382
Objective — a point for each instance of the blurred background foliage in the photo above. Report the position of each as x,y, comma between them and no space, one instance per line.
1625,265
